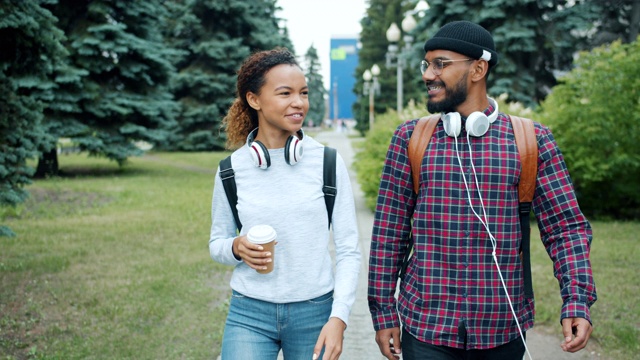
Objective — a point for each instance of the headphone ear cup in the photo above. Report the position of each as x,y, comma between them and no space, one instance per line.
451,122
477,124
260,155
293,150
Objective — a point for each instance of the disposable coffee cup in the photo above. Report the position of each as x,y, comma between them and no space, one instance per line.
265,236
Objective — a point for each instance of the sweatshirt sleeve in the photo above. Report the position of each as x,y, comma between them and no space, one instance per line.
345,235
223,226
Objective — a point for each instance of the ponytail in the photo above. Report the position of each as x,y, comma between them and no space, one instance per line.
238,123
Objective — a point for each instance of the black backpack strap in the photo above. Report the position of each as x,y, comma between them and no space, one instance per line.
525,243
329,180
227,175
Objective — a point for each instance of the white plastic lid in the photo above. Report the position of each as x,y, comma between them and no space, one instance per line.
261,234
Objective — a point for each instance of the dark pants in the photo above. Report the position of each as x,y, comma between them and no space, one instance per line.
414,349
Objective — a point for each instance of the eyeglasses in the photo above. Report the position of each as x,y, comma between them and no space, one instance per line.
437,65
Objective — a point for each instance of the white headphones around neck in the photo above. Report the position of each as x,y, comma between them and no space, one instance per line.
260,153
477,123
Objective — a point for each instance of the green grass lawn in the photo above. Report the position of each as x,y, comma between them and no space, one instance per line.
113,263
615,259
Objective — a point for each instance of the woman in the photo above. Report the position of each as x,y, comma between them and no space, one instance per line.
300,307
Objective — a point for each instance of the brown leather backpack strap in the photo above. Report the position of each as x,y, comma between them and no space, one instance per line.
418,144
525,134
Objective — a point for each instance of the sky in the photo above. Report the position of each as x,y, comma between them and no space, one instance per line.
316,21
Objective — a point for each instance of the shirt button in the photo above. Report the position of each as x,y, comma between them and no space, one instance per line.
464,294
465,263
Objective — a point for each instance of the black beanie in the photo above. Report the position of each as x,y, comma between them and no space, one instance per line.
466,38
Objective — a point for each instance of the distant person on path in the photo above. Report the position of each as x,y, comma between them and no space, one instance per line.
302,306
455,298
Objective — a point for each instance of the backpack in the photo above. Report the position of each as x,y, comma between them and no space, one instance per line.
525,135
227,175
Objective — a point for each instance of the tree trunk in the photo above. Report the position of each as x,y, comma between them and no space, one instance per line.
47,164
634,23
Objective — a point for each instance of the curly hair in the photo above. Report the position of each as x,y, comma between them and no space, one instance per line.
241,118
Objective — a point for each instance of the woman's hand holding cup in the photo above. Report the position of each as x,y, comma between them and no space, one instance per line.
256,248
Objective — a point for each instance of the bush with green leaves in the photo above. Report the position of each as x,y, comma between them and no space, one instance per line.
372,152
594,114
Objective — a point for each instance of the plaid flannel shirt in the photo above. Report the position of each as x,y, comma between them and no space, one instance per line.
452,282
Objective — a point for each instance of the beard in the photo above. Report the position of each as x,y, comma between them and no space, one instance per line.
453,98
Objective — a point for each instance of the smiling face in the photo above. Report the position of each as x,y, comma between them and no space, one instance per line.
282,104
448,90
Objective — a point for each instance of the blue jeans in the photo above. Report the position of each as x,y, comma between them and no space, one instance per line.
257,330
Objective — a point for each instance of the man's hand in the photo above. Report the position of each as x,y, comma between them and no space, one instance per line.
331,339
576,333
389,342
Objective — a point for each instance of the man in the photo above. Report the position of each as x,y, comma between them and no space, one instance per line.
462,296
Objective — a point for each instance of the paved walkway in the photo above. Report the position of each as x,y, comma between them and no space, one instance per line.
360,337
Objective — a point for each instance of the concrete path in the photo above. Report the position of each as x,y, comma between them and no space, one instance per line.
360,337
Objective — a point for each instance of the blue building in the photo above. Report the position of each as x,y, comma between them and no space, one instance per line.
344,60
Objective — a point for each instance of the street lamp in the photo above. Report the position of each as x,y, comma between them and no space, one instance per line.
396,57
371,88
421,8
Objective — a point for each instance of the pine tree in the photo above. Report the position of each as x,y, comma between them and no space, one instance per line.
613,20
31,46
317,92
380,15
535,39
113,89
215,37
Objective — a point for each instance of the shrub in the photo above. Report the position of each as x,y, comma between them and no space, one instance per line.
372,152
594,114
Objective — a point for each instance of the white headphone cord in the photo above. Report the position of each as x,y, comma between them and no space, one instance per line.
464,179
485,223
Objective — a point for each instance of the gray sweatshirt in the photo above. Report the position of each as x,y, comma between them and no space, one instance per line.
290,199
